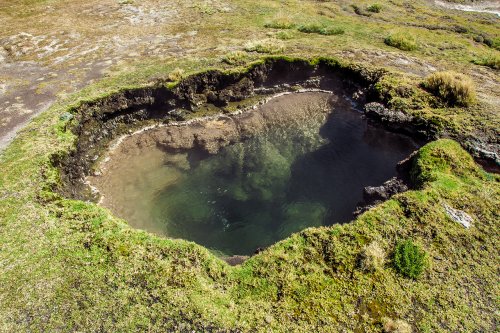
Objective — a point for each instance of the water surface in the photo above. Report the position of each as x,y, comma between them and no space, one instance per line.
239,183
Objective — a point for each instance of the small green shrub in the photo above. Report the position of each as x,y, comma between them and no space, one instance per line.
452,88
375,8
401,41
409,259
315,28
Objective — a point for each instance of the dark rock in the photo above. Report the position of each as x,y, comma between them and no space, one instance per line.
235,260
384,191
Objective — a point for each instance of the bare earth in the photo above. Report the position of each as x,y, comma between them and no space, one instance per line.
50,49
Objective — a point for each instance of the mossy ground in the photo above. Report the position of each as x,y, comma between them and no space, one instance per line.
71,266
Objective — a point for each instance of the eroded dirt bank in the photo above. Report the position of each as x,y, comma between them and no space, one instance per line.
99,122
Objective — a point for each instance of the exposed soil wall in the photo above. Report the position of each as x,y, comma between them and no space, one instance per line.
99,122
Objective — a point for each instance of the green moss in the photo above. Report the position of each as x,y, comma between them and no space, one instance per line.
71,265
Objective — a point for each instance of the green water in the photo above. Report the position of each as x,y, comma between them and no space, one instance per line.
286,176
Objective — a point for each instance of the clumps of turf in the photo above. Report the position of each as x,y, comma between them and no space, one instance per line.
281,22
410,259
284,35
176,75
395,326
269,45
488,40
402,41
372,257
235,58
491,61
452,88
316,28
374,8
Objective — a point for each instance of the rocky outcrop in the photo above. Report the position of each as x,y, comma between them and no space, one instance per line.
383,192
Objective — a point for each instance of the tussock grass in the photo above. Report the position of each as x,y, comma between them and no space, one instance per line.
235,58
269,46
452,88
491,61
396,326
402,41
316,28
281,21
374,8
372,257
176,74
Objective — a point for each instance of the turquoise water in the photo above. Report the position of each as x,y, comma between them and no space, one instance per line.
280,179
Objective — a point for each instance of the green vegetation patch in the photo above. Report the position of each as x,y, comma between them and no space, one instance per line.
72,266
374,8
454,89
491,61
316,28
402,41
409,259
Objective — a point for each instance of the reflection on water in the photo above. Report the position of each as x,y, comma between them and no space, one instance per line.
307,166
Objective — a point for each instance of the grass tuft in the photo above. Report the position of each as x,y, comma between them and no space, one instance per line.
315,28
452,88
176,75
235,58
402,41
396,326
281,22
372,257
269,45
375,8
491,61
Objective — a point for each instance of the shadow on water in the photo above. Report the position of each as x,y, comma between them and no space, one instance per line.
358,154
263,189
299,161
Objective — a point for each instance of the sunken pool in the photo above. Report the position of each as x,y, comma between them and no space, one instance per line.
235,183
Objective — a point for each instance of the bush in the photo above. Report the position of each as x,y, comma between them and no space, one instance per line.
453,88
409,259
314,28
401,41
375,8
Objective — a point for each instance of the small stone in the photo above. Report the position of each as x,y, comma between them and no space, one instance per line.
458,216
66,116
